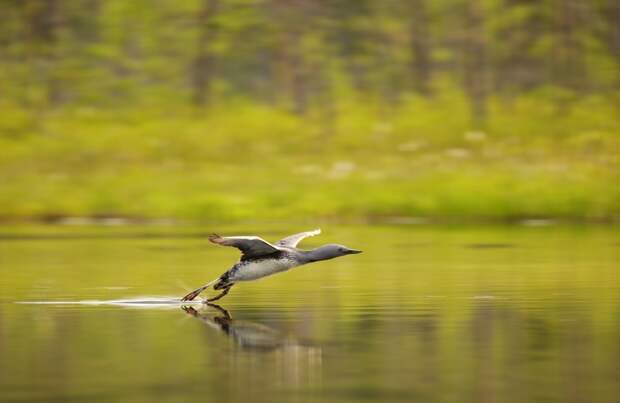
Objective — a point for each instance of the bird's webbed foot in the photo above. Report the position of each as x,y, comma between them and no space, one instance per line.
192,295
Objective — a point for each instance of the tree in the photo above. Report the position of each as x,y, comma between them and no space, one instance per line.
567,62
202,68
519,30
421,64
475,60
45,20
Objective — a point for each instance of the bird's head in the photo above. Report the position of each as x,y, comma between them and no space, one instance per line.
331,251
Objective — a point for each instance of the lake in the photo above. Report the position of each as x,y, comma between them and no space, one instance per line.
430,314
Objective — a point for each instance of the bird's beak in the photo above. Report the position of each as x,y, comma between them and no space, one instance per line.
353,251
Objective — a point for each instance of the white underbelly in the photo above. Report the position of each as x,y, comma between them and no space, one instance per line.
262,268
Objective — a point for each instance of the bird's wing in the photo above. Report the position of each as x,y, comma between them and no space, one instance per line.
293,240
250,246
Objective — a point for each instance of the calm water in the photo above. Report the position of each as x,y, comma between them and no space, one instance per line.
425,314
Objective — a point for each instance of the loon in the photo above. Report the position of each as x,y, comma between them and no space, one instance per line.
260,258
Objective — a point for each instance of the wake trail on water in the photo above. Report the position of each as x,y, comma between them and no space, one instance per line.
138,302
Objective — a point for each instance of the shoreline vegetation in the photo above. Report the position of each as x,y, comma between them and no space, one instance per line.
237,111
417,161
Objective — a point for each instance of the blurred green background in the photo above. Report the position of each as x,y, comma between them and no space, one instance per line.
353,110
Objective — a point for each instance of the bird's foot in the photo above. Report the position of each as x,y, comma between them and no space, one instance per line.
191,296
190,310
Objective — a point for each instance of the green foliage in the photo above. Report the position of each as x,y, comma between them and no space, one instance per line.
241,161
236,109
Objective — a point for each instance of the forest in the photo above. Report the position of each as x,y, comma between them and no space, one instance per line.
339,109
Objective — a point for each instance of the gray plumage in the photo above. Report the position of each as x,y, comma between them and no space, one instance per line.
260,258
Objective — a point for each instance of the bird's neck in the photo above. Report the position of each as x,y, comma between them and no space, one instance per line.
309,256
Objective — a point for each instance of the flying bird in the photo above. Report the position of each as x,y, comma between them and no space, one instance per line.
260,258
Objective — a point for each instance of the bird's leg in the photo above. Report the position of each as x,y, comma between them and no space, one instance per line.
222,294
222,310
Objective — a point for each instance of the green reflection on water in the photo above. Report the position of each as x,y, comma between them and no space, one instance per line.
432,314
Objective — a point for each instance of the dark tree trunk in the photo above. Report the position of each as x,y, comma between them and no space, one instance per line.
45,24
291,18
475,61
568,68
299,86
421,65
202,69
612,12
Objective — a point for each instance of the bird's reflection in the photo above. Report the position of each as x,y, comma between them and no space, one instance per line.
284,359
248,335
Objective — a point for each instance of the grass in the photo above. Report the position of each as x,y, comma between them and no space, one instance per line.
240,161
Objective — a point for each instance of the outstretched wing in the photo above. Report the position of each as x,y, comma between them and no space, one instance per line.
293,240
250,246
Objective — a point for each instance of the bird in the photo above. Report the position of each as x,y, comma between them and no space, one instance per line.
260,258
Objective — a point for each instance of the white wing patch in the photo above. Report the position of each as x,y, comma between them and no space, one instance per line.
292,240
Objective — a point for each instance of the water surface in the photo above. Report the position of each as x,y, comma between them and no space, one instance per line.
426,314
